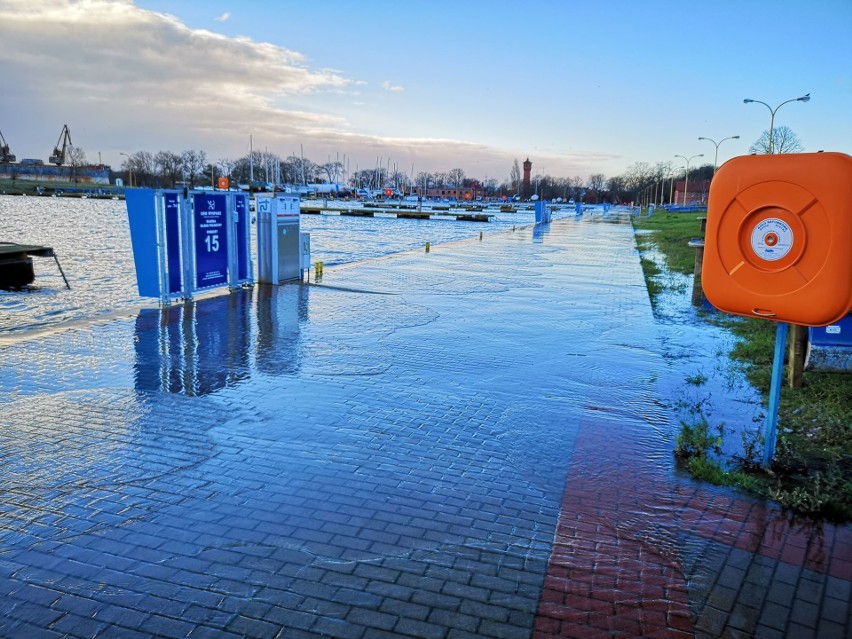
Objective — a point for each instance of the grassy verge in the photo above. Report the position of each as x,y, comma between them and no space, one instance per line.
812,470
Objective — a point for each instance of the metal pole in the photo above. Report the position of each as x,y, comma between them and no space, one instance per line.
686,181
804,98
772,127
61,272
162,253
771,433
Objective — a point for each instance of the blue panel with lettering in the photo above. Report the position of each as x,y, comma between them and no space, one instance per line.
242,209
173,241
211,240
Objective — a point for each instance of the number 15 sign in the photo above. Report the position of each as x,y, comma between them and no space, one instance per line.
211,240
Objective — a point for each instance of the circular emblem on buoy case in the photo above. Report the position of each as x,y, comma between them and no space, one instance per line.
771,239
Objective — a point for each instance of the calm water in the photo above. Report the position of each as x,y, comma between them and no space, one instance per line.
92,241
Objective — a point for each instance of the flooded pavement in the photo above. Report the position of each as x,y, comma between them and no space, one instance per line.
473,442
92,241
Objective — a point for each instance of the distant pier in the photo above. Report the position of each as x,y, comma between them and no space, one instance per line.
399,212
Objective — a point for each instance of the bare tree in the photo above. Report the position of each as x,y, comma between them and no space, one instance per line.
76,158
783,141
168,166
456,177
423,180
597,182
400,180
225,167
617,188
515,177
192,165
332,170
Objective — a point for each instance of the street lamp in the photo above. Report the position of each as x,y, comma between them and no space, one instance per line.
716,144
804,98
129,168
686,182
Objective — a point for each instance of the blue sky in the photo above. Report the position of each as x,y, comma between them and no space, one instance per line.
577,87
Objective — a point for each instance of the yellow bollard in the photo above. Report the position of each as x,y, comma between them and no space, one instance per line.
427,247
318,271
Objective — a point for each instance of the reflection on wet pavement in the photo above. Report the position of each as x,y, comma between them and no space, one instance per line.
474,442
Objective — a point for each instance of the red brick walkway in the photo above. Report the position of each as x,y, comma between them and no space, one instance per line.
616,569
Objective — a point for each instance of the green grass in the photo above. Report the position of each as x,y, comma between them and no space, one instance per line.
812,470
672,232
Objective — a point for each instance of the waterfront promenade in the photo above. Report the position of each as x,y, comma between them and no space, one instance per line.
466,443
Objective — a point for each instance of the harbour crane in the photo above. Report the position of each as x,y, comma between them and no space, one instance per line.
58,157
5,154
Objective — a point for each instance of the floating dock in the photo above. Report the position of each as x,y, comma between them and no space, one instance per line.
16,264
400,213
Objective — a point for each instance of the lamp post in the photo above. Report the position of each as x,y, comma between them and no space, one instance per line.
716,144
804,98
129,168
686,182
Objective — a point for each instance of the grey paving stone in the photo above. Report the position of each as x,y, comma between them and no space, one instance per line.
485,611
774,616
711,622
810,590
781,593
248,627
743,617
503,631
329,627
835,610
763,632
77,626
839,588
371,620
797,630
414,628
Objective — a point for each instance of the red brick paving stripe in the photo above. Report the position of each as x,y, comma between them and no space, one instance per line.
603,577
608,574
766,531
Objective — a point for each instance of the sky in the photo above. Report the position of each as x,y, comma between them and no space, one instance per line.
577,87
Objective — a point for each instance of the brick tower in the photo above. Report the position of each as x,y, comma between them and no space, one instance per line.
525,188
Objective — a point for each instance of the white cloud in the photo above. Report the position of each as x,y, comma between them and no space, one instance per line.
224,17
387,86
111,67
126,79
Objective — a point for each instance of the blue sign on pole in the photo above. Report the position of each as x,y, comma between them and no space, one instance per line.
172,206
242,208
211,240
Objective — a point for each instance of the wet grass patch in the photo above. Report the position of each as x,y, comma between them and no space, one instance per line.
812,470
652,274
670,234
662,241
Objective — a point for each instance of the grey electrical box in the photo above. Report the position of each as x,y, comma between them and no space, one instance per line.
279,245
